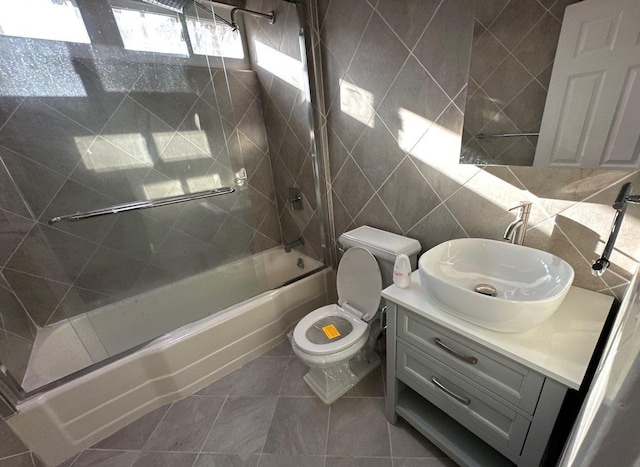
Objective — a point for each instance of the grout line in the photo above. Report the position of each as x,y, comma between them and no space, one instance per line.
13,456
226,398
6,211
355,51
412,54
496,16
35,224
455,218
12,113
17,335
41,277
326,441
326,12
17,188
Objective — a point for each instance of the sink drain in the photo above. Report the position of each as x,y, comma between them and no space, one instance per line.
486,289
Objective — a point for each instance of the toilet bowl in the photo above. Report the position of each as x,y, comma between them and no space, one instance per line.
331,339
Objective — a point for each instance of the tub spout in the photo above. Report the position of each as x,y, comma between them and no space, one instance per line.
290,246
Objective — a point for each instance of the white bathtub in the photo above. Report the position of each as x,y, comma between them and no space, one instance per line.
66,420
71,345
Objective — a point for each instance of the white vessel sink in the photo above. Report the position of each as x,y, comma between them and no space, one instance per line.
529,284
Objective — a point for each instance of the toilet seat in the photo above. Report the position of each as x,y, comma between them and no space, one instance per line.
359,287
300,332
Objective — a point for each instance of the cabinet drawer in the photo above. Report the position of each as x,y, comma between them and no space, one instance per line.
491,420
505,378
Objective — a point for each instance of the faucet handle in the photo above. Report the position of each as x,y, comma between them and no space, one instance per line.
523,205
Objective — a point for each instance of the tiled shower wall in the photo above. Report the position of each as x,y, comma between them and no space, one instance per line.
395,84
514,45
286,112
85,127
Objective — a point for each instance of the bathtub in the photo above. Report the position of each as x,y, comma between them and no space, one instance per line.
65,420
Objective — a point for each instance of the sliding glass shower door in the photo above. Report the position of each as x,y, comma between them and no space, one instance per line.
109,106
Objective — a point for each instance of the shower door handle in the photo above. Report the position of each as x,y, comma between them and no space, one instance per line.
151,203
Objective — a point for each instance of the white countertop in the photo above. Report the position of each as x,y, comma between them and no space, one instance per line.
559,348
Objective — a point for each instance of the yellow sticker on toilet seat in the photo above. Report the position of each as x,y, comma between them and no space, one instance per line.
331,332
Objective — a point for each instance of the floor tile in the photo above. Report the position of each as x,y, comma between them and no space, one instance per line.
11,444
358,427
173,459
186,425
423,462
66,463
260,377
299,427
358,462
283,349
91,458
279,460
370,386
222,387
242,426
406,441
226,460
134,435
293,384
294,429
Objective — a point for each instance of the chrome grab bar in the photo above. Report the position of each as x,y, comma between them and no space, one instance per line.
151,203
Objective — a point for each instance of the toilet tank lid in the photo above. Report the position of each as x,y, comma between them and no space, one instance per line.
381,244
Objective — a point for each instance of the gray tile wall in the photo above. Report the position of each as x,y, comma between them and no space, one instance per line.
395,82
85,127
514,45
286,119
16,330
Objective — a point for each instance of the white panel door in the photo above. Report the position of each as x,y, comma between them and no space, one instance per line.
592,113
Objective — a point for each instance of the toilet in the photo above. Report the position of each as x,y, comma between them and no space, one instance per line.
337,341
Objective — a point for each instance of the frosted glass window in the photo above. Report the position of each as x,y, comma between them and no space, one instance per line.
150,32
209,38
56,20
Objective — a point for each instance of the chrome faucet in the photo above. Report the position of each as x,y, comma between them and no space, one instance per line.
518,228
620,205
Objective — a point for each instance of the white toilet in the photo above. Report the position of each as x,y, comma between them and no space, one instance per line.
337,341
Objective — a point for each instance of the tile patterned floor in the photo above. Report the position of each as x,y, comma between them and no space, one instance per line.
265,415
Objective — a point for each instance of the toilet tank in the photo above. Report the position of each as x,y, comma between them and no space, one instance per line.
385,246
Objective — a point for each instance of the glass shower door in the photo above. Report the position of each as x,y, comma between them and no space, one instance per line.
112,102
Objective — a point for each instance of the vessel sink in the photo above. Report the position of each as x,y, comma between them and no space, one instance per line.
527,285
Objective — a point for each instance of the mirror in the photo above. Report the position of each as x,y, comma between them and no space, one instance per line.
511,61
540,97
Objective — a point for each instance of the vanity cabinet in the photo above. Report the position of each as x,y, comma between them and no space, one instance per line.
484,398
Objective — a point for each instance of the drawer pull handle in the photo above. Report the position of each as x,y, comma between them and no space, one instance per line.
450,393
464,358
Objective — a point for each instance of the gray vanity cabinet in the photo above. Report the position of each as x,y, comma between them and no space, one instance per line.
478,406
